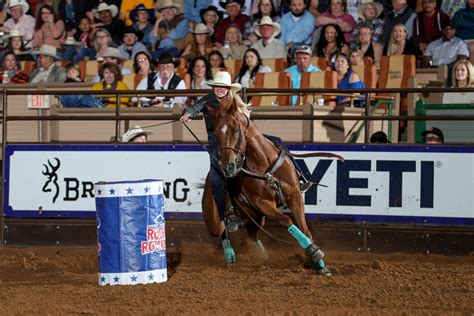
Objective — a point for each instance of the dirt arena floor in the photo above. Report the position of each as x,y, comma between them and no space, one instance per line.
59,281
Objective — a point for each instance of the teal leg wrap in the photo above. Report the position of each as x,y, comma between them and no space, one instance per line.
302,239
229,252
321,263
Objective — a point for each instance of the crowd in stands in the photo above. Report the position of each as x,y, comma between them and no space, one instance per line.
170,44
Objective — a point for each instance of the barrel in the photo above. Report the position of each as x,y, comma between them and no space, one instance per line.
131,232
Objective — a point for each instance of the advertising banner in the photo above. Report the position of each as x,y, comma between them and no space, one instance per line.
376,183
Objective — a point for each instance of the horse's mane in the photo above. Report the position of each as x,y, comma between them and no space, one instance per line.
234,103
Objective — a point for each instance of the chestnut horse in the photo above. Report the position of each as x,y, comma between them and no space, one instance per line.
261,178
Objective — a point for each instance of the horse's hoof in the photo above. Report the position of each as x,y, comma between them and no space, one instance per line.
324,271
233,223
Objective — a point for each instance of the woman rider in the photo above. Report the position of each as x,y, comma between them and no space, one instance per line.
225,91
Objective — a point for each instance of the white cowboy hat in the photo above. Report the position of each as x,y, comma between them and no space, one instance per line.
103,7
266,20
13,33
72,42
47,50
202,29
361,7
223,79
134,132
14,3
166,4
113,52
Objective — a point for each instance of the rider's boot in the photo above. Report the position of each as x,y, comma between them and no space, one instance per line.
232,221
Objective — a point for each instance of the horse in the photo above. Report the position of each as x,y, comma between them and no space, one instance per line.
261,179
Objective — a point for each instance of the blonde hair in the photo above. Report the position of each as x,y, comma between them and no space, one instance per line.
392,46
243,107
470,71
239,33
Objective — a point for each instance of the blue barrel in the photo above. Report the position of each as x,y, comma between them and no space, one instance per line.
131,232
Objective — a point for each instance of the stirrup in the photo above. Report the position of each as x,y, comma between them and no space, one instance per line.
232,223
305,185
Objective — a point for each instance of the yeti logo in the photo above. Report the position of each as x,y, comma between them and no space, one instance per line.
52,181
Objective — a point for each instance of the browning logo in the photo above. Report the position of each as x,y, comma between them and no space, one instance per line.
51,184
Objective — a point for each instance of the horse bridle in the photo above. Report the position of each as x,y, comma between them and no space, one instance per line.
237,149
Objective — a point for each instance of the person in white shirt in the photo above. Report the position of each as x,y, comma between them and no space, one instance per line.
268,46
164,79
252,64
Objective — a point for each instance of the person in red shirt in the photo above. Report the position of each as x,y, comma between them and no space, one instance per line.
428,25
233,8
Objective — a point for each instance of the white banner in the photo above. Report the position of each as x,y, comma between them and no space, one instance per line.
369,183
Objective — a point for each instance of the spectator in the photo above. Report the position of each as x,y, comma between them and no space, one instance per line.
216,60
367,46
356,58
463,77
401,13
379,138
446,50
450,7
302,64
369,16
85,35
136,134
200,71
428,25
73,73
202,45
337,15
331,43
463,21
49,29
261,9
210,17
297,26
141,17
347,79
11,68
113,55
234,48
170,24
131,42
102,41
166,79
252,64
192,11
399,44
47,70
234,17
268,46
107,15
142,64
126,8
433,135
111,80
17,46
20,21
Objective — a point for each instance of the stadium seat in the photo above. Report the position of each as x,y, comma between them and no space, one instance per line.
321,62
28,66
280,80
321,79
276,64
234,66
367,74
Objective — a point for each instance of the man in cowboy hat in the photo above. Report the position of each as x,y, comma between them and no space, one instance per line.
47,70
268,46
170,24
20,21
234,17
113,55
131,43
164,79
136,134
107,14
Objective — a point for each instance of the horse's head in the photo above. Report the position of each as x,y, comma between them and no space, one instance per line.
231,133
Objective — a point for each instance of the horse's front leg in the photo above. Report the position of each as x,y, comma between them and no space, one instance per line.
311,250
303,236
